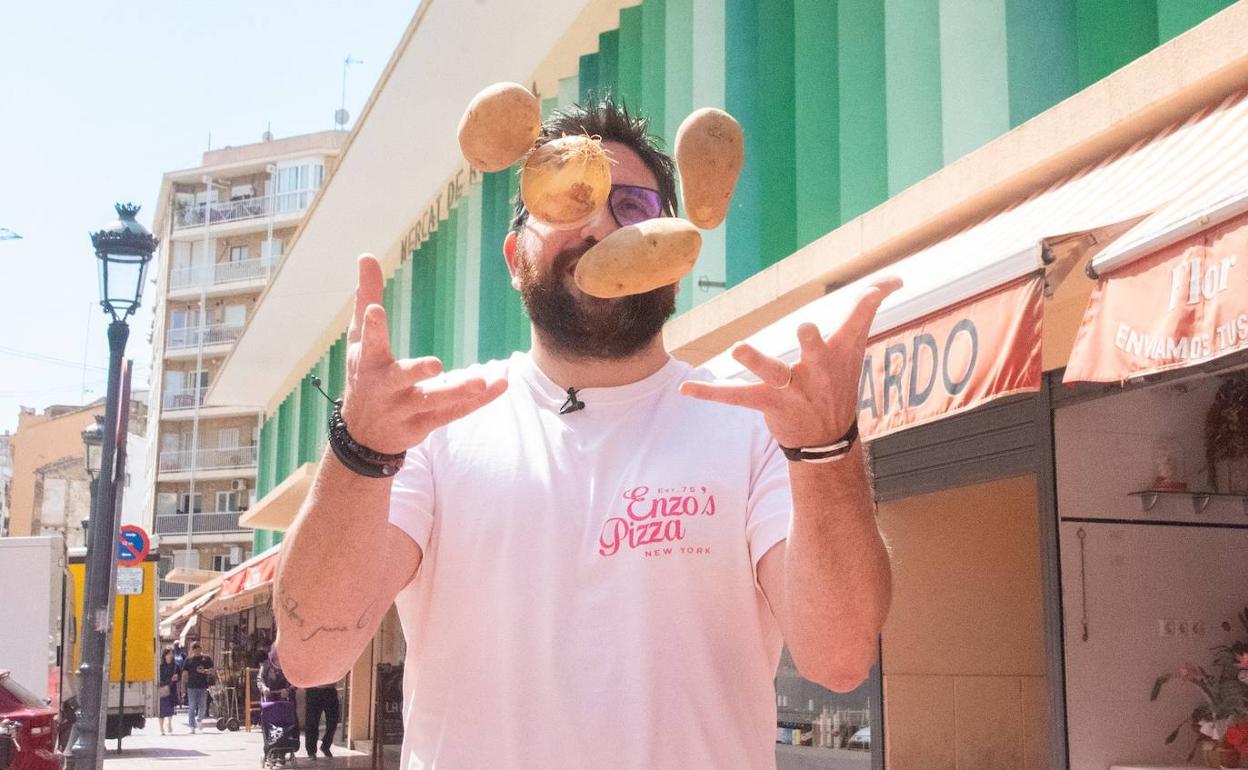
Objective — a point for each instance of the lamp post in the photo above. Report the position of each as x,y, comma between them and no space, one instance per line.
93,445
123,250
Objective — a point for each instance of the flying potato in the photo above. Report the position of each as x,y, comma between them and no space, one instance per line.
499,126
710,150
566,181
639,258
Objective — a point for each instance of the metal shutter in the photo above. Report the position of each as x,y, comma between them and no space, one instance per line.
994,441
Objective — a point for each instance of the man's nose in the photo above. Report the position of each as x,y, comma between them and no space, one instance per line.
599,226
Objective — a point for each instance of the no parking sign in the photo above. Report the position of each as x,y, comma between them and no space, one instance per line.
132,546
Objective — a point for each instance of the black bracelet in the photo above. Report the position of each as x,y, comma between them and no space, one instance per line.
826,453
352,454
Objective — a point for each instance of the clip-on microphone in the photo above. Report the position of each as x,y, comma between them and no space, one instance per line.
572,404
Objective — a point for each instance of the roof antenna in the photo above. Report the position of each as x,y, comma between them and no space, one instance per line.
341,116
267,136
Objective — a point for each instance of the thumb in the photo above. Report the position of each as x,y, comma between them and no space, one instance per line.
375,342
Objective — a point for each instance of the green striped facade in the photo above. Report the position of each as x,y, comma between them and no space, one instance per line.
843,103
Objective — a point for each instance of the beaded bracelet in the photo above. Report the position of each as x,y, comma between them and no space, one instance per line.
352,454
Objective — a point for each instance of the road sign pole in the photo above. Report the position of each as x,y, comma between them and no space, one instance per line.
121,698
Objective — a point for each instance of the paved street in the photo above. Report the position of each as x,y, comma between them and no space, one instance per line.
147,749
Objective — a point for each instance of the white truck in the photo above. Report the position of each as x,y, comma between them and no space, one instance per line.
36,601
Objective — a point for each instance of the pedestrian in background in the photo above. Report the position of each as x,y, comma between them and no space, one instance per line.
179,657
319,700
196,676
170,676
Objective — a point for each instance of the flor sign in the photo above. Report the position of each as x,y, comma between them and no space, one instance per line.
1183,305
965,355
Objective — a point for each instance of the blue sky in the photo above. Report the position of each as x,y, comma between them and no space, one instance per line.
98,99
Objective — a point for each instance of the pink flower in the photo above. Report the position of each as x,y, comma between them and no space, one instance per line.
1242,660
1188,673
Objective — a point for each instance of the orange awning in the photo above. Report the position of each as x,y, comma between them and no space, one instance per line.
979,350
1183,305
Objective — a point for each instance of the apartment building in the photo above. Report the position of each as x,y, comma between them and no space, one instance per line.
222,226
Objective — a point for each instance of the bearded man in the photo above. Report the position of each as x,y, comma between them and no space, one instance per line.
596,552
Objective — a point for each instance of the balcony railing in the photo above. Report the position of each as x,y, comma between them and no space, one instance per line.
208,459
201,523
193,214
213,334
219,212
172,590
219,273
183,398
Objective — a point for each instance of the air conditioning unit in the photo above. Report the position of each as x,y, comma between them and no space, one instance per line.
238,485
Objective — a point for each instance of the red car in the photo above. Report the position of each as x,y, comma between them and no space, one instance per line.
34,730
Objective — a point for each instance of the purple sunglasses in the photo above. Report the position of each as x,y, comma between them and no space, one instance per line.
630,204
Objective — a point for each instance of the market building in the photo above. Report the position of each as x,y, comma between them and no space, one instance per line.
1057,544
222,227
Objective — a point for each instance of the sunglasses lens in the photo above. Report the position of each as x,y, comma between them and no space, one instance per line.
630,205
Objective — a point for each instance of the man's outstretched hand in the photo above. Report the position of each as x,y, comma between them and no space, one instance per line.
392,405
814,401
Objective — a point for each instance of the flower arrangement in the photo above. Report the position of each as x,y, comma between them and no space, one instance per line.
1221,720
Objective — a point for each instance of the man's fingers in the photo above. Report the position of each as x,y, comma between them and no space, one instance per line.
810,340
368,291
416,369
868,304
751,395
375,348
454,401
769,369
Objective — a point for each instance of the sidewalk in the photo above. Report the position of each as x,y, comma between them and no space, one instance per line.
147,749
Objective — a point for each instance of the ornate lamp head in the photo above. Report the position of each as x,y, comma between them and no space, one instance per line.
123,248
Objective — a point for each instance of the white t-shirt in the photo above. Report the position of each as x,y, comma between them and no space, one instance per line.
588,595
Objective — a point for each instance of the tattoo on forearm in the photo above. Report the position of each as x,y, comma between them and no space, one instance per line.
291,607
363,620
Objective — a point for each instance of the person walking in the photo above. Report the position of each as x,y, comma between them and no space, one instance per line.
170,684
591,539
196,676
319,700
279,723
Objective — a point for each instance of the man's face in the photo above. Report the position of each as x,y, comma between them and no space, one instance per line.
542,261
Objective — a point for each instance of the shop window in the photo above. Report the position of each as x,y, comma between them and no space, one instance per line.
811,720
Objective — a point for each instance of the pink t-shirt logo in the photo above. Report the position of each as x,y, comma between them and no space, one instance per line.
657,518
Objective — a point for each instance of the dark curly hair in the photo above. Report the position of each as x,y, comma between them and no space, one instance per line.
604,118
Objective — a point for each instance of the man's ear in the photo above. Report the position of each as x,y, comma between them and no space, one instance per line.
509,254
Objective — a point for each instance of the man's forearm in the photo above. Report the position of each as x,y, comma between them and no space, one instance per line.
328,596
837,578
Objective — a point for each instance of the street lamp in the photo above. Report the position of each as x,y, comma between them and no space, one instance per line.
123,249
93,445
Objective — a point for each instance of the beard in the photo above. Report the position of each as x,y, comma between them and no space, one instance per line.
576,325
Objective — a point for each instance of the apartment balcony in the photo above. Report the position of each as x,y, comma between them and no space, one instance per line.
173,590
182,398
221,277
208,464
179,405
180,343
189,215
206,523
